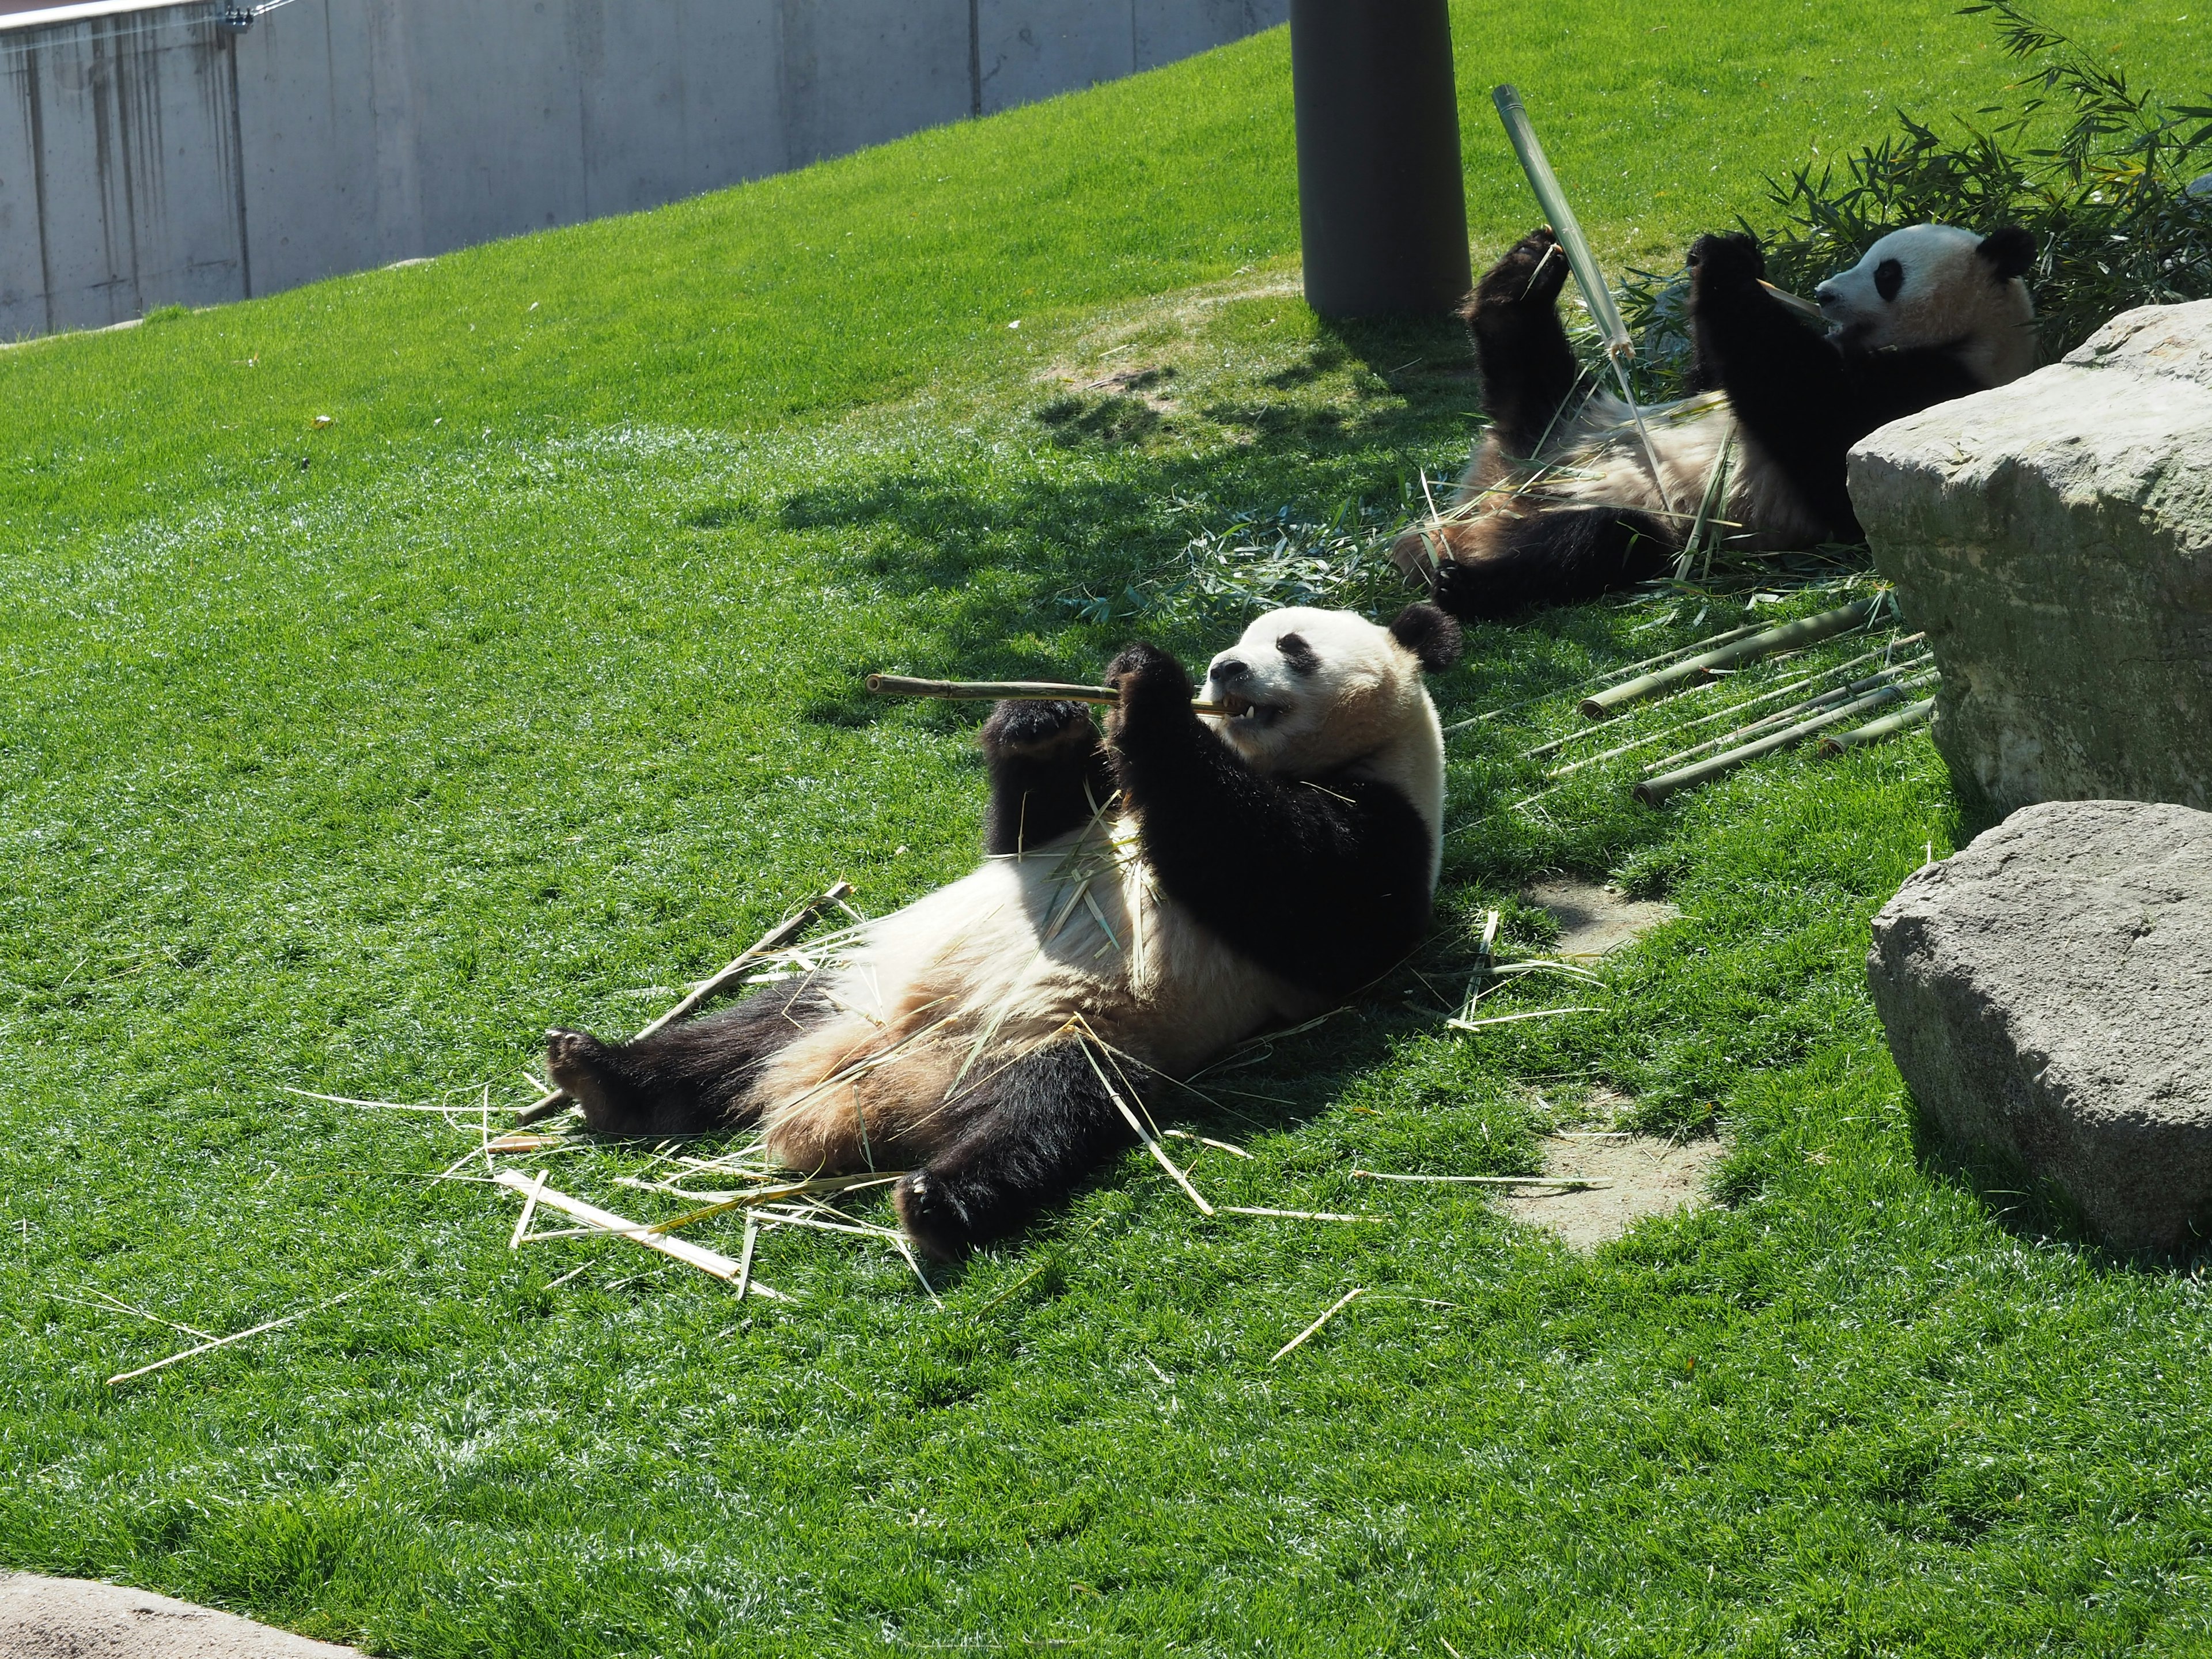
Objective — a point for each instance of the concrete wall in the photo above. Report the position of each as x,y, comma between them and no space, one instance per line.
149,157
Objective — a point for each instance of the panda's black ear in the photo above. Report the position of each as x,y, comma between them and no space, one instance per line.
2007,252
1430,634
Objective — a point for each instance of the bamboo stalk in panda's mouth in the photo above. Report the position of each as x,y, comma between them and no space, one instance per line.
904,685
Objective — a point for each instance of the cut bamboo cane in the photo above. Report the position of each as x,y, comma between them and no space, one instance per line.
1621,673
1904,674
776,937
682,1249
1652,791
905,686
1799,683
1808,630
1335,1308
1888,726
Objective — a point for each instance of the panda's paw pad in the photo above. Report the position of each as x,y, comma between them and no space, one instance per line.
932,1217
1035,728
1532,273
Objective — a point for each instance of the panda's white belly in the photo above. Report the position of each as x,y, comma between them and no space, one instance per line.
936,997
1599,460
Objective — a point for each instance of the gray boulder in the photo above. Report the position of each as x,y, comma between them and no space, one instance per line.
2054,536
2048,996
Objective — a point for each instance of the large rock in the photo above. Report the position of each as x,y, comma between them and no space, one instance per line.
2054,536
2048,994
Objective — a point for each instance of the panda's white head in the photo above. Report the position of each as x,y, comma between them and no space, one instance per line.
1309,692
1936,285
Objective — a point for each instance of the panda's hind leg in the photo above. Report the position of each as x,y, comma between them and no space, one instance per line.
1528,370
1557,556
1047,1122
691,1078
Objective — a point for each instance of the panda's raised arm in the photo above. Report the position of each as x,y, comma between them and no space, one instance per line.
1323,881
1788,386
1049,774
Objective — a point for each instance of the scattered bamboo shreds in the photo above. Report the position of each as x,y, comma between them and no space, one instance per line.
1295,1215
1207,1141
523,1143
1335,1308
1508,1020
572,1273
1481,1181
776,937
225,1341
375,1105
529,1210
1144,1131
706,1261
745,1257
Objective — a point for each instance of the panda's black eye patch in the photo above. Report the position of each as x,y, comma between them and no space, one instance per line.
1888,277
1295,652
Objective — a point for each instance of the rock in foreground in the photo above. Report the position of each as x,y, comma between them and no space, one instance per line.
2054,536
2048,995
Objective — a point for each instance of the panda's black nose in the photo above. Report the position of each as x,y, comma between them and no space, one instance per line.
1825,295
1227,670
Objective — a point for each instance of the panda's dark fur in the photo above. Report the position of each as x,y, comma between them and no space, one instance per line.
1147,901
1561,504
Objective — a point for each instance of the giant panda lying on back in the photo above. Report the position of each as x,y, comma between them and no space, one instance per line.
1560,504
1154,898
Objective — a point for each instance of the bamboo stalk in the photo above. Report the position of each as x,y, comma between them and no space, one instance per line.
1904,674
905,686
1652,791
529,1209
1888,726
776,937
1619,348
1784,691
1808,630
682,1249
1335,1308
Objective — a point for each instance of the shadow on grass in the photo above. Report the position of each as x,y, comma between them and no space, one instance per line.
2034,1209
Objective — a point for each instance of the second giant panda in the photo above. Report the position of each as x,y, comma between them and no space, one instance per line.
1561,504
1147,901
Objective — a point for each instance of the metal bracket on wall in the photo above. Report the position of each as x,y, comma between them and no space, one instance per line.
237,19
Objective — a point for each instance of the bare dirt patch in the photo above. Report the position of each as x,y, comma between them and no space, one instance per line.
1650,1175
1594,920
71,1618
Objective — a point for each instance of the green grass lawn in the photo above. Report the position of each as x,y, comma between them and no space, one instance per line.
346,759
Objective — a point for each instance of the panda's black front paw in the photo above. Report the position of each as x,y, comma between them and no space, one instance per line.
1036,730
1532,273
1469,593
1153,686
933,1216
1725,261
